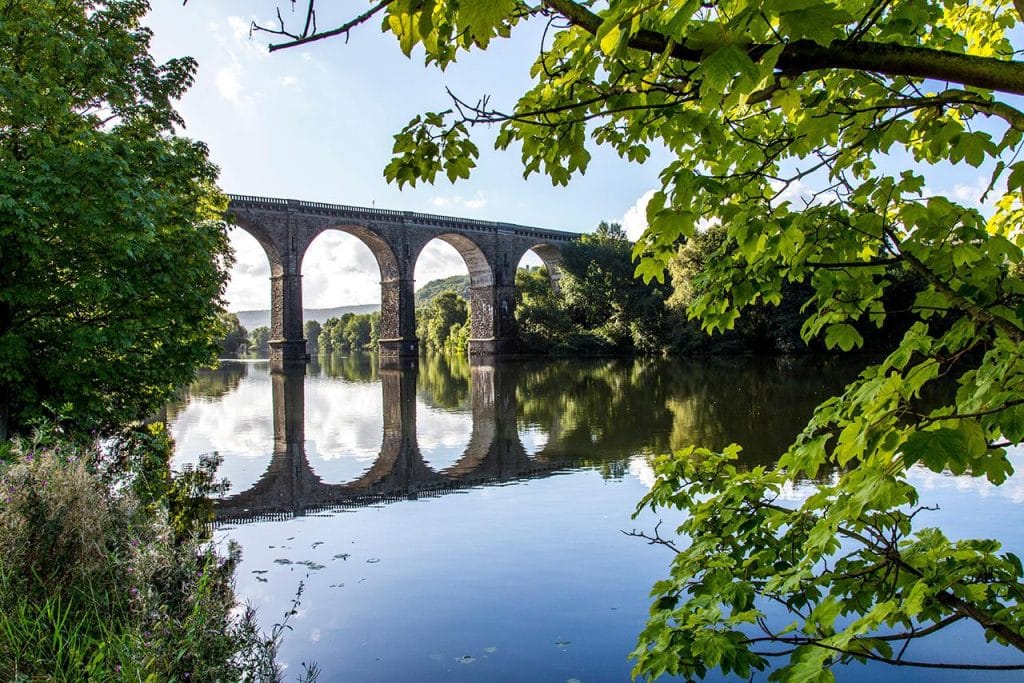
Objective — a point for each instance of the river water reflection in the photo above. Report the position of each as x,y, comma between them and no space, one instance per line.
458,522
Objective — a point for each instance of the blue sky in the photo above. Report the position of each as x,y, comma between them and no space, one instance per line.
316,123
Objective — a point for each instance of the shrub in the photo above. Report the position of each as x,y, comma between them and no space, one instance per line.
106,570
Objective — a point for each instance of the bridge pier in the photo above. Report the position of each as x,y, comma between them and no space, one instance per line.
398,321
287,341
493,324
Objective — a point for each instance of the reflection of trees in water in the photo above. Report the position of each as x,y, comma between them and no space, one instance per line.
351,367
443,381
595,409
594,413
210,383
759,403
615,409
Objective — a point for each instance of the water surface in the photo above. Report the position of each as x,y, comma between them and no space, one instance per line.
466,523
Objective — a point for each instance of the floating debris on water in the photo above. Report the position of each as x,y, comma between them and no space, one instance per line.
373,560
318,543
490,650
563,643
465,659
342,556
262,580
282,560
311,564
259,571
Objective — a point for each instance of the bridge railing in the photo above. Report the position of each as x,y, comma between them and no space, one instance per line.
400,216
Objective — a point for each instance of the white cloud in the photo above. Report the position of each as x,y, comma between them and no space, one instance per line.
456,202
634,222
229,83
339,270
438,260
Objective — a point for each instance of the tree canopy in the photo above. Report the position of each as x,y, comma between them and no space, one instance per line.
814,133
112,254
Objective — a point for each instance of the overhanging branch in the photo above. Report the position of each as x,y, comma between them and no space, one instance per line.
803,56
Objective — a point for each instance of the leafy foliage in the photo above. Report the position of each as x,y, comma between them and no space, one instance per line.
444,324
456,283
811,133
112,255
259,341
350,332
105,571
235,337
599,308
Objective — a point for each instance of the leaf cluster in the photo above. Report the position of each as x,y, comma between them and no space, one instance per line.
113,255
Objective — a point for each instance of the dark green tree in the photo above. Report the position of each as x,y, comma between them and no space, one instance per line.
259,341
113,258
357,332
235,338
312,330
435,323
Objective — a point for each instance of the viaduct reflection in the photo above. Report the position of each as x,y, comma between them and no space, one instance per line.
595,414
495,453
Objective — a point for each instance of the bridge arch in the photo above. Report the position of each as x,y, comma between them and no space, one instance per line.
382,250
551,256
482,276
265,239
285,227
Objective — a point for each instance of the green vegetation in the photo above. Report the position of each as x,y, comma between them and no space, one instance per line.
235,341
113,256
259,342
805,130
456,283
443,325
113,260
600,307
312,330
106,570
350,332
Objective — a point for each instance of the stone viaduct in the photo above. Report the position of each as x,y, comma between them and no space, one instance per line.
286,227
289,487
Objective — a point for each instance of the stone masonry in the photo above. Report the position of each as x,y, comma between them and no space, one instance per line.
286,227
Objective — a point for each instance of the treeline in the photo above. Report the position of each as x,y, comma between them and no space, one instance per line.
600,308
350,332
238,342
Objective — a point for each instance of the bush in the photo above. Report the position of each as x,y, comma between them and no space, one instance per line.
95,579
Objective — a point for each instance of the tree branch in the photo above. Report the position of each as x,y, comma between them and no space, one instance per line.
804,56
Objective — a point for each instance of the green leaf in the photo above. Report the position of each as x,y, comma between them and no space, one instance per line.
843,335
814,22
945,447
482,17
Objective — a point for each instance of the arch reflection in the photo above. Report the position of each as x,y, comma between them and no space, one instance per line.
290,486
587,414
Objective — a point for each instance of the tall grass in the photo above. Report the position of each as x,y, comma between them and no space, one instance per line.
107,571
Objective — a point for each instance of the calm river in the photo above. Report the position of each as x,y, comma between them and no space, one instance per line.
458,523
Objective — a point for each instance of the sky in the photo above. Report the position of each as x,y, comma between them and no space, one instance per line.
316,123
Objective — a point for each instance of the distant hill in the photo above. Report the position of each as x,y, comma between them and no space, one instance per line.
252,319
457,283
424,295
